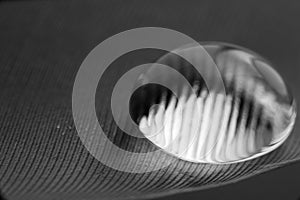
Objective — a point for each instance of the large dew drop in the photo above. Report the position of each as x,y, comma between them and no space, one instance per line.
253,117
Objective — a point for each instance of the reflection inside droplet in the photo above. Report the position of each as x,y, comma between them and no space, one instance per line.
254,117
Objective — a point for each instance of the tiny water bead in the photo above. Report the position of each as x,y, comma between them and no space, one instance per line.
253,117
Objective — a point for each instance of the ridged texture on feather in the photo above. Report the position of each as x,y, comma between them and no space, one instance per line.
42,44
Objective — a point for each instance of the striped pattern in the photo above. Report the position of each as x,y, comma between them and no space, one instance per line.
213,128
42,45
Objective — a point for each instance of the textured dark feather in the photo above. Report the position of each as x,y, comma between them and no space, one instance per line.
42,45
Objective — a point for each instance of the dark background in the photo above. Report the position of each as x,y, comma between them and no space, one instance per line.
42,44
278,184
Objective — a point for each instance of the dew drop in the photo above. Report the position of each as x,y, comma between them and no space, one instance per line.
253,117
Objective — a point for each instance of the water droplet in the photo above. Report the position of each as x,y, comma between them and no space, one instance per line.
253,117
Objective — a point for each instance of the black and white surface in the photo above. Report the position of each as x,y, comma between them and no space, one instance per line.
42,45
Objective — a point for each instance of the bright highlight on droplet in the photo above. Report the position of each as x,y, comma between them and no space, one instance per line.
254,117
